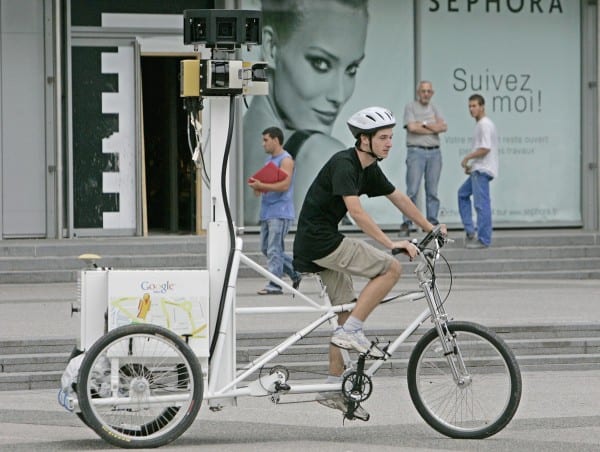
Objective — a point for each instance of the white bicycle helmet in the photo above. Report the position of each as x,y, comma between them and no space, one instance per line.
370,120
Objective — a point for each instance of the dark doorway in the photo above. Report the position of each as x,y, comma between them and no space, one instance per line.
170,171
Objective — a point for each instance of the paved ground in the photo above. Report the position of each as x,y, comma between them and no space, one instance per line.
559,411
45,310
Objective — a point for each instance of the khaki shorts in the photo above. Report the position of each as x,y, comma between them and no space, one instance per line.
351,257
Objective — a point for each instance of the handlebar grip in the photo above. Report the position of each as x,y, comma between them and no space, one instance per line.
431,235
434,233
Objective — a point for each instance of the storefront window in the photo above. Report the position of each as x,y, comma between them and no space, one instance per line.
524,58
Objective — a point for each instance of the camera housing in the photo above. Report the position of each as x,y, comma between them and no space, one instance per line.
222,28
200,78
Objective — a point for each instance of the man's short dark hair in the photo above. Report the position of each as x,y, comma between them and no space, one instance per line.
478,98
274,132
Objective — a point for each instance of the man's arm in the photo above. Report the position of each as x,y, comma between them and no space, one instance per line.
411,124
406,206
427,127
365,222
369,227
438,126
477,153
419,128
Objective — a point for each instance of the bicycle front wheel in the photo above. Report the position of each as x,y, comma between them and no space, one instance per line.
140,386
487,393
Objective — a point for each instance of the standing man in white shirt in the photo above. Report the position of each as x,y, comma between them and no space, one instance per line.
481,165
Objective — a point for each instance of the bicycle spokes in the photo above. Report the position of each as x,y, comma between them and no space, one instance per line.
471,391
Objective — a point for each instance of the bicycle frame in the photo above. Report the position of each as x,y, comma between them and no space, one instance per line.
126,402
267,384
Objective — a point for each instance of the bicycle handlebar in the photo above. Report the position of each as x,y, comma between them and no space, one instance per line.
435,233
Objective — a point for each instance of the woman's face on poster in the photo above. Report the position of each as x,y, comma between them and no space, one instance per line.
315,69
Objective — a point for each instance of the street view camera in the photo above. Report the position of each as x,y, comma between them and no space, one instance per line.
221,28
225,31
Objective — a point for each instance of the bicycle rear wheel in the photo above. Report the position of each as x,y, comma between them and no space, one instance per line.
140,386
488,392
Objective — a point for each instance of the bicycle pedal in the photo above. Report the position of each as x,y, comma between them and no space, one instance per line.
354,418
374,346
281,387
351,416
385,350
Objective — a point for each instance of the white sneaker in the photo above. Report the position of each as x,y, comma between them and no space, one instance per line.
355,340
337,401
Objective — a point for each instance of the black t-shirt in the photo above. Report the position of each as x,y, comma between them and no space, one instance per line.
317,233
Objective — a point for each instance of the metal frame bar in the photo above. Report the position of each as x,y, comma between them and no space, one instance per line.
590,153
329,313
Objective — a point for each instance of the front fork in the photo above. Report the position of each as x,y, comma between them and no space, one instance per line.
447,338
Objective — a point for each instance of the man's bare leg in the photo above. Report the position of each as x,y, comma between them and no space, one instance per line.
375,290
336,361
369,298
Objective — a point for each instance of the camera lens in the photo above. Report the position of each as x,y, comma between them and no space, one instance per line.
226,29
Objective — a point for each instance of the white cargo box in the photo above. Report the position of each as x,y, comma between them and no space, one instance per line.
175,299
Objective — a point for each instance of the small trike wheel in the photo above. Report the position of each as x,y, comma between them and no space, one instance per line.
140,386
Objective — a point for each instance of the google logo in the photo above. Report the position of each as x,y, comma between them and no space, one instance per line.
157,287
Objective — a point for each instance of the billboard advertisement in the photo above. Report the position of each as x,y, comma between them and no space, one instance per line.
524,58
331,58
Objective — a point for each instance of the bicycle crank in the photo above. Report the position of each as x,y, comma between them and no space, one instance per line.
357,387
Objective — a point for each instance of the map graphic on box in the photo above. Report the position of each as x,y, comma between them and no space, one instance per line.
174,299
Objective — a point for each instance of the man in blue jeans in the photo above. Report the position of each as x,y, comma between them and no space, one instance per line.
276,211
481,165
423,122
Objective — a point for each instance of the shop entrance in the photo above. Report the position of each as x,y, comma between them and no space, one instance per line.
170,184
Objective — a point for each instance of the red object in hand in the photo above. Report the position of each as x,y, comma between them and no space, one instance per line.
269,174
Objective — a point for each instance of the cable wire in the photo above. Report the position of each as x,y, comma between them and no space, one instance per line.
192,121
229,226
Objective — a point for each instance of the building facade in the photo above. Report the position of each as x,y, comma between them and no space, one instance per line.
94,139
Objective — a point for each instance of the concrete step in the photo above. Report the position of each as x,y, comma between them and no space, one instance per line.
33,362
537,347
548,331
50,379
103,246
18,381
38,276
556,253
518,332
181,260
35,346
39,363
397,367
576,274
508,269
521,347
52,270
454,255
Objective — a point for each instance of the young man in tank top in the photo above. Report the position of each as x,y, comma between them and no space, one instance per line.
276,211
